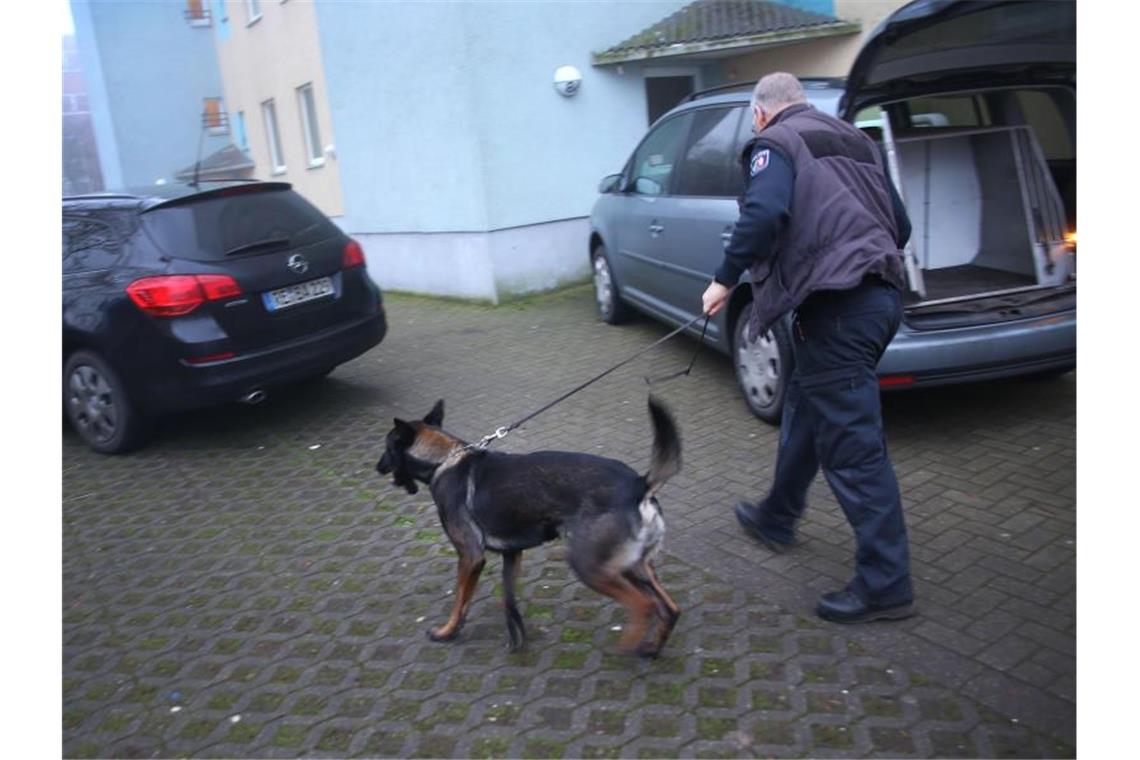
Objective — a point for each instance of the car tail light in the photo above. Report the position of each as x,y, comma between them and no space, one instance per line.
179,294
892,381
353,255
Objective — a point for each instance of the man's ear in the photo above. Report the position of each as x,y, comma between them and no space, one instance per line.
435,416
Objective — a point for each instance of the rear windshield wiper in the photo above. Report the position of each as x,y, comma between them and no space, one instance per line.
267,243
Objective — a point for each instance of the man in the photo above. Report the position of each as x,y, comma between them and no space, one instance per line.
821,230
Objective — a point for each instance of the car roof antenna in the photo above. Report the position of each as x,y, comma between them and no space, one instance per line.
198,160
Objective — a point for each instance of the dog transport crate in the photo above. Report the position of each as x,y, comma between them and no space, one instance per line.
985,212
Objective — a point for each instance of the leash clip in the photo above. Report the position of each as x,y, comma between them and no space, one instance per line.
500,433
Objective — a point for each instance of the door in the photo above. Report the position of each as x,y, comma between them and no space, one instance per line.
699,214
639,223
663,93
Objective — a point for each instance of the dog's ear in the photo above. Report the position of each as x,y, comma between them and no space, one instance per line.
435,416
405,431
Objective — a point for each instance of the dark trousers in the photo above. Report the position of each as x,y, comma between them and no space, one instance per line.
832,419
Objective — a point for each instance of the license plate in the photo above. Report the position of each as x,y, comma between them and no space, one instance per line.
303,292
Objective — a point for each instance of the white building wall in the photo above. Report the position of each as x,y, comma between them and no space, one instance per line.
448,123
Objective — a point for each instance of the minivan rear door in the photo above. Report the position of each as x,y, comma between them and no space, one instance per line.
961,44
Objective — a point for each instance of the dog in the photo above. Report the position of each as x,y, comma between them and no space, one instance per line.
607,514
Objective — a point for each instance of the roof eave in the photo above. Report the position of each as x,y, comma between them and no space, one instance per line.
742,44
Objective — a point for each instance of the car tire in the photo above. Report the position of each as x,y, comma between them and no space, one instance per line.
98,407
607,297
762,367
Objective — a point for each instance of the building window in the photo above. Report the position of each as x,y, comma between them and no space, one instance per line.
309,127
272,136
253,10
196,13
242,138
213,117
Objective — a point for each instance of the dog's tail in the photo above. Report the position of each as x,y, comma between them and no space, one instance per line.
666,460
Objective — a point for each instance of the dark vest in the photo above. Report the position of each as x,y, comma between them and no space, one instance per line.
842,224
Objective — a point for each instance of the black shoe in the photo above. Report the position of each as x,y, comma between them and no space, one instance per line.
744,515
846,607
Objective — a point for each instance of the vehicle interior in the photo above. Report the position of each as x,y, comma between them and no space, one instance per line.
970,162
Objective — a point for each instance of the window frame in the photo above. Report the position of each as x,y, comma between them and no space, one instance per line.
630,180
310,132
273,137
732,166
252,11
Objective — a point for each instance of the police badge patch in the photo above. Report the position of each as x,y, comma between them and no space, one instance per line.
759,162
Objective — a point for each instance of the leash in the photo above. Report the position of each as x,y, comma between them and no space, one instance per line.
504,431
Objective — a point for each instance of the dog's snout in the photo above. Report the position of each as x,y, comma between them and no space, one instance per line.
384,466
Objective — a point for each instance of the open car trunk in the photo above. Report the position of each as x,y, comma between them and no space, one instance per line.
974,104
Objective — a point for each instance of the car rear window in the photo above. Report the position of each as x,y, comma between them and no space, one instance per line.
207,229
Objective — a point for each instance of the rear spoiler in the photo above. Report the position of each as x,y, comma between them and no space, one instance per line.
222,192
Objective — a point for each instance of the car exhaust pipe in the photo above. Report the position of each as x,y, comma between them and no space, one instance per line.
255,396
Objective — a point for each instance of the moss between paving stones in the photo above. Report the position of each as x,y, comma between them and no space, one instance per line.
309,704
665,693
609,689
570,660
544,748
600,751
773,732
940,709
827,702
490,746
266,702
222,700
289,736
716,696
385,743
243,733
660,725
832,737
609,722
336,740
714,728
198,729
884,707
892,740
954,744
715,667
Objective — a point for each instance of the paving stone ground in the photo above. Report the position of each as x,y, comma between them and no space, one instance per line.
248,586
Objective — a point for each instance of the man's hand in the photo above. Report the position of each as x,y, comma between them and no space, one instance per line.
716,295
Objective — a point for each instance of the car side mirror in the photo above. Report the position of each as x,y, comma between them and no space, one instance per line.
610,183
647,186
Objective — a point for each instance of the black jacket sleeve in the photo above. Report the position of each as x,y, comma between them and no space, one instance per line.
764,212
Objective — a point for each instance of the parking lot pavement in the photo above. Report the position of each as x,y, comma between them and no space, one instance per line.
249,586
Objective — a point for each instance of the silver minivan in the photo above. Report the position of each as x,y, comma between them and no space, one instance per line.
974,105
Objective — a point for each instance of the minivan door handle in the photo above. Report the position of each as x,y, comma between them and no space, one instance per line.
656,229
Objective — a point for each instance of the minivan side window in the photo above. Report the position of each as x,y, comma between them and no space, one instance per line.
88,245
708,163
653,164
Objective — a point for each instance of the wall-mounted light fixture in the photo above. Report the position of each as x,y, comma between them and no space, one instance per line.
567,80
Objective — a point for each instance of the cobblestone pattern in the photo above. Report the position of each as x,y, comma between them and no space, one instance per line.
248,586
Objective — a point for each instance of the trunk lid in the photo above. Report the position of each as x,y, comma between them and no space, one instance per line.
931,45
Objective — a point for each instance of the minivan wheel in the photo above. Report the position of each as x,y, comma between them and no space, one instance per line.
610,306
762,367
98,407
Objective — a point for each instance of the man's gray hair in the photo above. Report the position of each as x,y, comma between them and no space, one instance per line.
776,90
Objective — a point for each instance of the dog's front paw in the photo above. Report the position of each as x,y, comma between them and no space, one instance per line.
442,633
647,651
